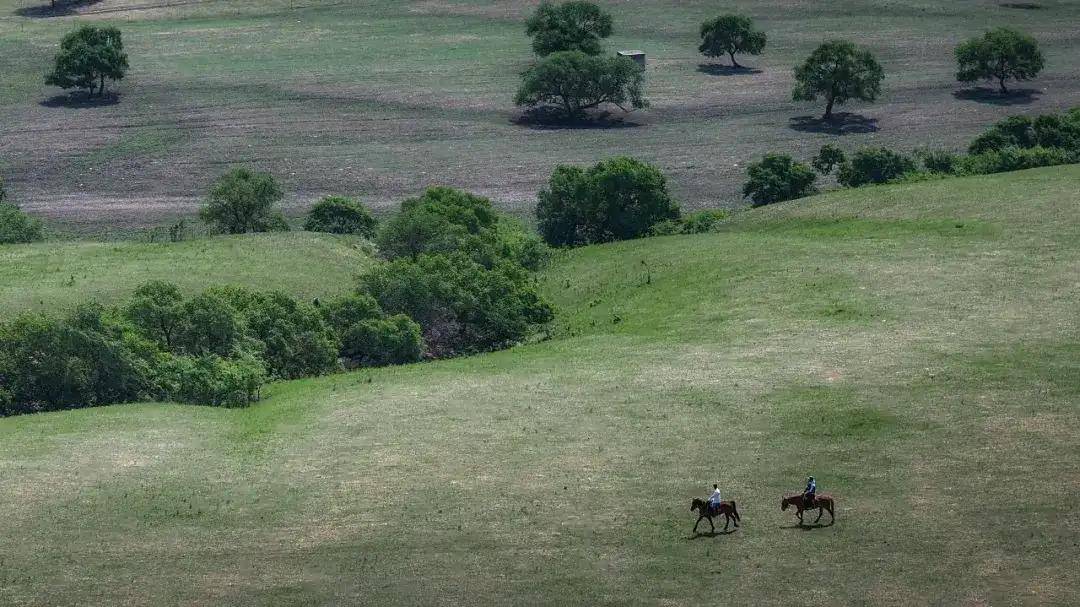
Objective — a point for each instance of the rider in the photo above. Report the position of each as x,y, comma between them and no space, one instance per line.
808,493
714,499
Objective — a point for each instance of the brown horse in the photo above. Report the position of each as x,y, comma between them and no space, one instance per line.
726,509
821,502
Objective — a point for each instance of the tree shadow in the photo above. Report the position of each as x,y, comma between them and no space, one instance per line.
47,9
551,118
991,96
841,123
717,533
81,99
716,69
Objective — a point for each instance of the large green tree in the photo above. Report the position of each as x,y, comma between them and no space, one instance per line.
731,35
570,26
87,58
838,71
574,82
1002,55
242,201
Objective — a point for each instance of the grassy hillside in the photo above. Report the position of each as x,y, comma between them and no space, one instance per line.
57,275
915,347
383,98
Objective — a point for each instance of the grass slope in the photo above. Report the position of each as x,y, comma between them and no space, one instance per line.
913,346
53,276
383,98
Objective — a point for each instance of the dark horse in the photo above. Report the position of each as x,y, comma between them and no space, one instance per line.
726,509
821,502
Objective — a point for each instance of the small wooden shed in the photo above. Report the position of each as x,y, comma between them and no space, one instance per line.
637,56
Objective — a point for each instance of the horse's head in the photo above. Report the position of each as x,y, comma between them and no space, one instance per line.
696,504
784,502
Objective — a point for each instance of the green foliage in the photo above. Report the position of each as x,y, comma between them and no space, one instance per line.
1002,54
700,222
1015,159
445,220
777,178
340,215
618,199
875,165
828,159
1048,131
291,337
569,83
88,358
211,325
88,56
462,306
210,379
243,201
731,35
343,312
378,342
838,71
942,162
570,26
17,227
157,310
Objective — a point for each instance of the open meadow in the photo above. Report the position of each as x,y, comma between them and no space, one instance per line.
915,346
380,99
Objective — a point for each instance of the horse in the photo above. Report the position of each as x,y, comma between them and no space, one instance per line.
704,509
821,502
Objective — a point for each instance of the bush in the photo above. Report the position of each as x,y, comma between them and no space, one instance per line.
828,159
1015,159
83,360
777,178
378,342
244,201
461,306
939,161
445,220
571,26
210,379
1057,132
292,338
567,84
617,199
89,56
875,165
340,215
16,227
695,223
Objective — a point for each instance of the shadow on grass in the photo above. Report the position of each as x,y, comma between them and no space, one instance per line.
807,526
715,69
81,99
46,9
842,123
717,533
995,97
550,118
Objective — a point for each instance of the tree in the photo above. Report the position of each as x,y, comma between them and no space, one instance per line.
87,57
838,71
828,159
571,26
340,215
1001,54
618,199
777,178
396,340
731,34
875,165
157,310
243,201
575,82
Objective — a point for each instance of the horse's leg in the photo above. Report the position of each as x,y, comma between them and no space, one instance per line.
832,517
820,511
697,523
799,512
727,521
712,527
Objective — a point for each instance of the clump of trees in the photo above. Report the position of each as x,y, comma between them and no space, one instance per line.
838,71
572,82
341,215
777,177
617,199
999,55
243,201
875,165
731,35
87,58
570,26
16,227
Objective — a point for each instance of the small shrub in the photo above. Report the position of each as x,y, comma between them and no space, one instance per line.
340,215
16,227
1015,159
875,165
244,201
378,342
700,222
939,161
777,178
617,199
828,159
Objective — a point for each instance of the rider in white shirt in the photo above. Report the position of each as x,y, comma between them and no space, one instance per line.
714,499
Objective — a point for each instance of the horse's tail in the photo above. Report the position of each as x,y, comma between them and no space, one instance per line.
735,511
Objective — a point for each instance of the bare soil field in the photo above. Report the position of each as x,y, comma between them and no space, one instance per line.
383,99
